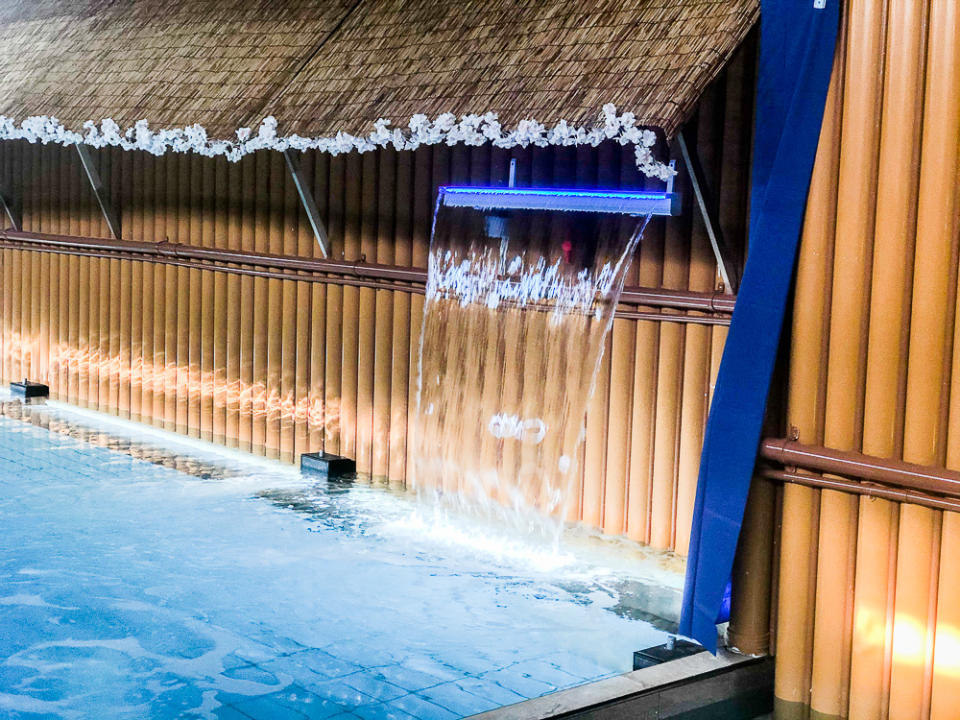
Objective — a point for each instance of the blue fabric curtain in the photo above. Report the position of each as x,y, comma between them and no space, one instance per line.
797,45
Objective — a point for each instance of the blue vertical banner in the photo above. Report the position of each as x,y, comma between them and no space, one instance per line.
797,46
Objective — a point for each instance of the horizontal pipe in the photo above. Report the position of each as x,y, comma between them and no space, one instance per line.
790,453
380,277
653,297
857,488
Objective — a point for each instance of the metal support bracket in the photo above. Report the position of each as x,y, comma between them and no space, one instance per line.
7,203
306,200
113,221
729,272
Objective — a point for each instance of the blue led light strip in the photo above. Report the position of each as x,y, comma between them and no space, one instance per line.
600,201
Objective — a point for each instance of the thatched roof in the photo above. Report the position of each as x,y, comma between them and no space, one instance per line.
326,66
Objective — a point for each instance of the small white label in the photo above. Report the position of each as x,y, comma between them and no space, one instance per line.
819,4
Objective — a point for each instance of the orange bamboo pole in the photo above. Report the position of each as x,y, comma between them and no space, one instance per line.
876,566
78,383
169,287
222,309
383,323
351,311
158,201
190,319
367,327
931,329
333,361
52,271
101,325
288,320
596,448
261,228
60,278
401,339
317,329
235,306
833,630
669,392
622,353
309,376
141,284
203,383
646,357
41,275
805,410
702,275
274,317
430,168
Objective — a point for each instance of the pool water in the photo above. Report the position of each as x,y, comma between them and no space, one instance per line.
237,588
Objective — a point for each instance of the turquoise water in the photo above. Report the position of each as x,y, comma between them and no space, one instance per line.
231,588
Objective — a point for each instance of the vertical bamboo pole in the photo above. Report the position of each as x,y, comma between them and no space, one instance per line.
78,371
119,308
190,310
63,284
333,362
428,169
203,385
622,364
261,243
156,400
310,311
7,270
52,270
400,340
805,414
594,469
100,323
353,206
288,320
696,367
886,371
644,407
933,302
367,328
235,306
41,310
669,390
169,287
89,289
274,319
222,309
30,301
141,283
316,409
383,325
847,353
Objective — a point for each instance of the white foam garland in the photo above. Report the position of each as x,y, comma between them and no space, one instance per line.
445,129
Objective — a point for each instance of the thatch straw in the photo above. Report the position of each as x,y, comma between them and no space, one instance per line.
324,67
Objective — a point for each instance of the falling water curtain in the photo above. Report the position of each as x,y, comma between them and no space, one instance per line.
797,44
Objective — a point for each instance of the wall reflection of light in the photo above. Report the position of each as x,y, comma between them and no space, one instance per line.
253,399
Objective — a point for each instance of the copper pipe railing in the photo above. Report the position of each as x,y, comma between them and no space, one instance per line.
894,473
716,306
857,488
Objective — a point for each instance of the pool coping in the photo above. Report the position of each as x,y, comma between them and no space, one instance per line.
700,685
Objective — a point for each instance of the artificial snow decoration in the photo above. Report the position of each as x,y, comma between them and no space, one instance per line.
470,130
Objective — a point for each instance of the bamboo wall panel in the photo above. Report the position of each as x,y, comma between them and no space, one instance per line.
868,614
280,367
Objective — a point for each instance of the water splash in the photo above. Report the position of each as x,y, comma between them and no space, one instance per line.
517,310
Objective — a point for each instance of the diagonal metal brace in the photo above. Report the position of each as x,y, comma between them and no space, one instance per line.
729,272
7,204
306,200
113,221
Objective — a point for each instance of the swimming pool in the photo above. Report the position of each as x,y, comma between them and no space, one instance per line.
192,582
